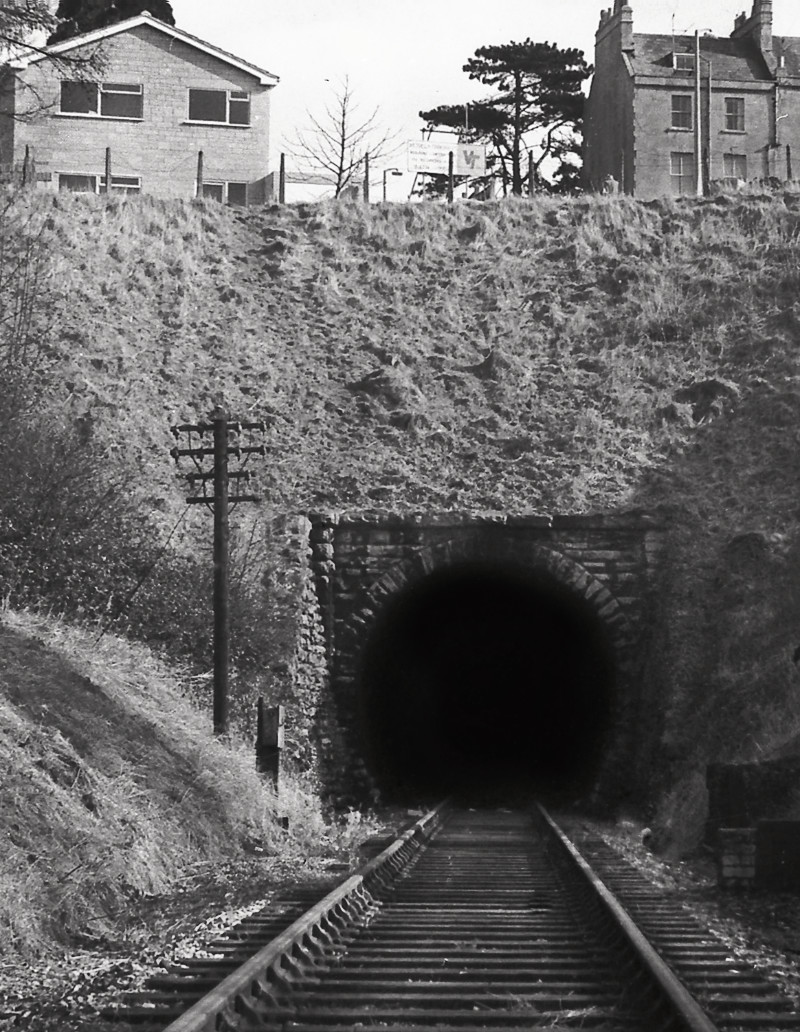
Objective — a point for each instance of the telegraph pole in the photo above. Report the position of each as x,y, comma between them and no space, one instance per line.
221,428
221,574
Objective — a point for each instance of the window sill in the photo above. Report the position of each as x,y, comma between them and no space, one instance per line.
95,118
680,129
734,132
217,125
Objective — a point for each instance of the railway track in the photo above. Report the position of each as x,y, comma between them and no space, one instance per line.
479,920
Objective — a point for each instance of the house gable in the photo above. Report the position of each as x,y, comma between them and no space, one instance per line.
92,39
172,142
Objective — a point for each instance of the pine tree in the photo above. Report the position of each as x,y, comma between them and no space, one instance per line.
78,16
538,98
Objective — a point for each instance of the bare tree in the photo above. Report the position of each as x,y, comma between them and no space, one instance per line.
20,22
24,27
26,300
336,143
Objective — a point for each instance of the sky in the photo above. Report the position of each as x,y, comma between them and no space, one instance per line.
403,56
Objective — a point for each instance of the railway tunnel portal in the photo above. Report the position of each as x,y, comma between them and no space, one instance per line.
486,657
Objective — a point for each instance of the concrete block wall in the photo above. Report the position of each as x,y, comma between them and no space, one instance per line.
737,857
162,148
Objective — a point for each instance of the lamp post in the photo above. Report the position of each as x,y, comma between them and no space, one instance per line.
386,171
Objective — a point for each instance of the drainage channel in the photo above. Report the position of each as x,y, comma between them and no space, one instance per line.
478,920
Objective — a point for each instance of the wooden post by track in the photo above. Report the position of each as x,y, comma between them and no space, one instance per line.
269,741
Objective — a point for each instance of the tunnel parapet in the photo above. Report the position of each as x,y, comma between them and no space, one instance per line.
361,560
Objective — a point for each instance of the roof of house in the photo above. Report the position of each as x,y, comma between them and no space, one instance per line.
731,59
98,35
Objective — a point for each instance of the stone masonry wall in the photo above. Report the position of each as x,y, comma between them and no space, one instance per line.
608,134
656,139
298,675
361,559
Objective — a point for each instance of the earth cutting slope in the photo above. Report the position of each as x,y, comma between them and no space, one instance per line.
593,354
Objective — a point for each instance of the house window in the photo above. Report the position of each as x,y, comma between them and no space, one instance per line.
122,184
229,107
77,183
106,100
97,184
121,100
682,111
216,191
734,166
682,173
226,193
79,98
734,114
237,194
683,62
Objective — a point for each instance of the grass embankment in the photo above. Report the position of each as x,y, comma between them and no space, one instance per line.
114,790
555,355
503,356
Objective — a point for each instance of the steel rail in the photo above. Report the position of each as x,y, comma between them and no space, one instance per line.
239,991
689,1012
502,919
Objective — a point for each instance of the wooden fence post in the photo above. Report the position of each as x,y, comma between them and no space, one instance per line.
199,174
28,173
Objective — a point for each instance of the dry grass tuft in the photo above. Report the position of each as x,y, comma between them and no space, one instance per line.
114,786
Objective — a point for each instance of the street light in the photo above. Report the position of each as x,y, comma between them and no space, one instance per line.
386,171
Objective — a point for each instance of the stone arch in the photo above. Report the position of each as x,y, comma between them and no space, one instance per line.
478,547
532,556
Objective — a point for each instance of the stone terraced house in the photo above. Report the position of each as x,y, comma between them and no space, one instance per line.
162,97
643,105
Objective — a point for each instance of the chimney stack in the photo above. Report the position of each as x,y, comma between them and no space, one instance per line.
617,23
758,27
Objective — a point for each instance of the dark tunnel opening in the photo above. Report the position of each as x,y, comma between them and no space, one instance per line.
487,683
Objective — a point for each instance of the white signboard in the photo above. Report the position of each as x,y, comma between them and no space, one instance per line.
469,159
